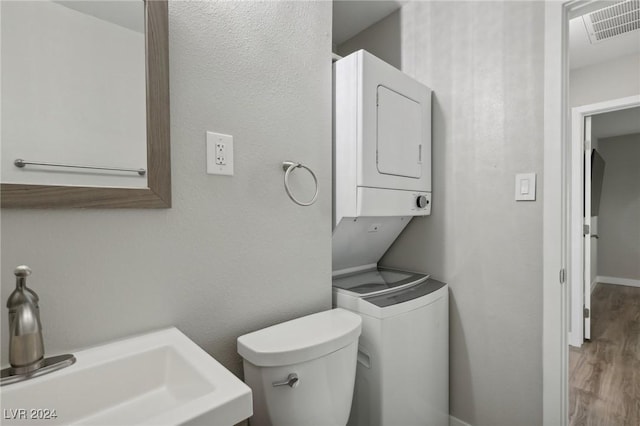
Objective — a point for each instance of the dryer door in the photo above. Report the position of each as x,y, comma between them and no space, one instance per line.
394,144
399,138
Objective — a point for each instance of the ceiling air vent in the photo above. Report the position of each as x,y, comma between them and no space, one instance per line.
612,21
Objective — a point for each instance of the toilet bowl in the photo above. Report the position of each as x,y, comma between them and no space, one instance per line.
302,372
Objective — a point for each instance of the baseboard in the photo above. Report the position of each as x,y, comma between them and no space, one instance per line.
594,283
457,422
618,281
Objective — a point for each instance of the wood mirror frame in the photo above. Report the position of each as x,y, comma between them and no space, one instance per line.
158,191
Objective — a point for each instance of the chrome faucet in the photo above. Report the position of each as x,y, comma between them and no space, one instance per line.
26,346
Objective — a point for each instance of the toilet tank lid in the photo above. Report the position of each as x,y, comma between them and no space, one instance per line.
301,339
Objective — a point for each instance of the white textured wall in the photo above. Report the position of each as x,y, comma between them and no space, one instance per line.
593,255
484,61
602,82
234,254
381,39
73,92
619,221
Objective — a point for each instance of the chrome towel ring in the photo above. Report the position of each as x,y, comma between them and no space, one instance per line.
288,167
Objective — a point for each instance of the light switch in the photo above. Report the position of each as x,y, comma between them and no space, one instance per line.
219,154
525,187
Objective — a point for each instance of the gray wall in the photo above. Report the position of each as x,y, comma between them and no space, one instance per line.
619,221
484,62
234,254
381,39
602,82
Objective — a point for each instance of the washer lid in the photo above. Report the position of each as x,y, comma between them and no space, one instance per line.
301,339
377,281
406,294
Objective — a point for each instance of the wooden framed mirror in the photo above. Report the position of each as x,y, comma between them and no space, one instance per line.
157,193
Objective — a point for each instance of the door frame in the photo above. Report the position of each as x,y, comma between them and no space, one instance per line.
576,190
555,395
556,241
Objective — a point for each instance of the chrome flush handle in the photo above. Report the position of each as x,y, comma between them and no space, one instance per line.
292,381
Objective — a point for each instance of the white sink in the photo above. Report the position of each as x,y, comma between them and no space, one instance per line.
160,378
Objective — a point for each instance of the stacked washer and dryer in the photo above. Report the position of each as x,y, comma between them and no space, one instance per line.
382,179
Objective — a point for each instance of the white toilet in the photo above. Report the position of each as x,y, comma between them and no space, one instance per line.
302,371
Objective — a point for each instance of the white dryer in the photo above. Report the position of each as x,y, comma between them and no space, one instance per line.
381,157
382,140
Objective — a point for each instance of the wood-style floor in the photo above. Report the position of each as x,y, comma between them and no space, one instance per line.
604,375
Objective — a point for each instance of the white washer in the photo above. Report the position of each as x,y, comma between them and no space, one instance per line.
402,376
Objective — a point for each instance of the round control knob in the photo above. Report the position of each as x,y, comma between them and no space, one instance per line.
422,201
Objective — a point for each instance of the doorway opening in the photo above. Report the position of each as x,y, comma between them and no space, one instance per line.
590,123
558,227
605,240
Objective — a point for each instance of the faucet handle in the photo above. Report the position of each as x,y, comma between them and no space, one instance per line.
22,271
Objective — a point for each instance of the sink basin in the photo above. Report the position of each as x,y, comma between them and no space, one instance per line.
160,378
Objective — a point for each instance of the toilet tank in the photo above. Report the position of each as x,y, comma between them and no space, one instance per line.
382,140
320,352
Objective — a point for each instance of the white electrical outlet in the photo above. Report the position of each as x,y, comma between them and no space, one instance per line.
219,154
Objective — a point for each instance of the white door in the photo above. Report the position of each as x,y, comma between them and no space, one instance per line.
586,287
